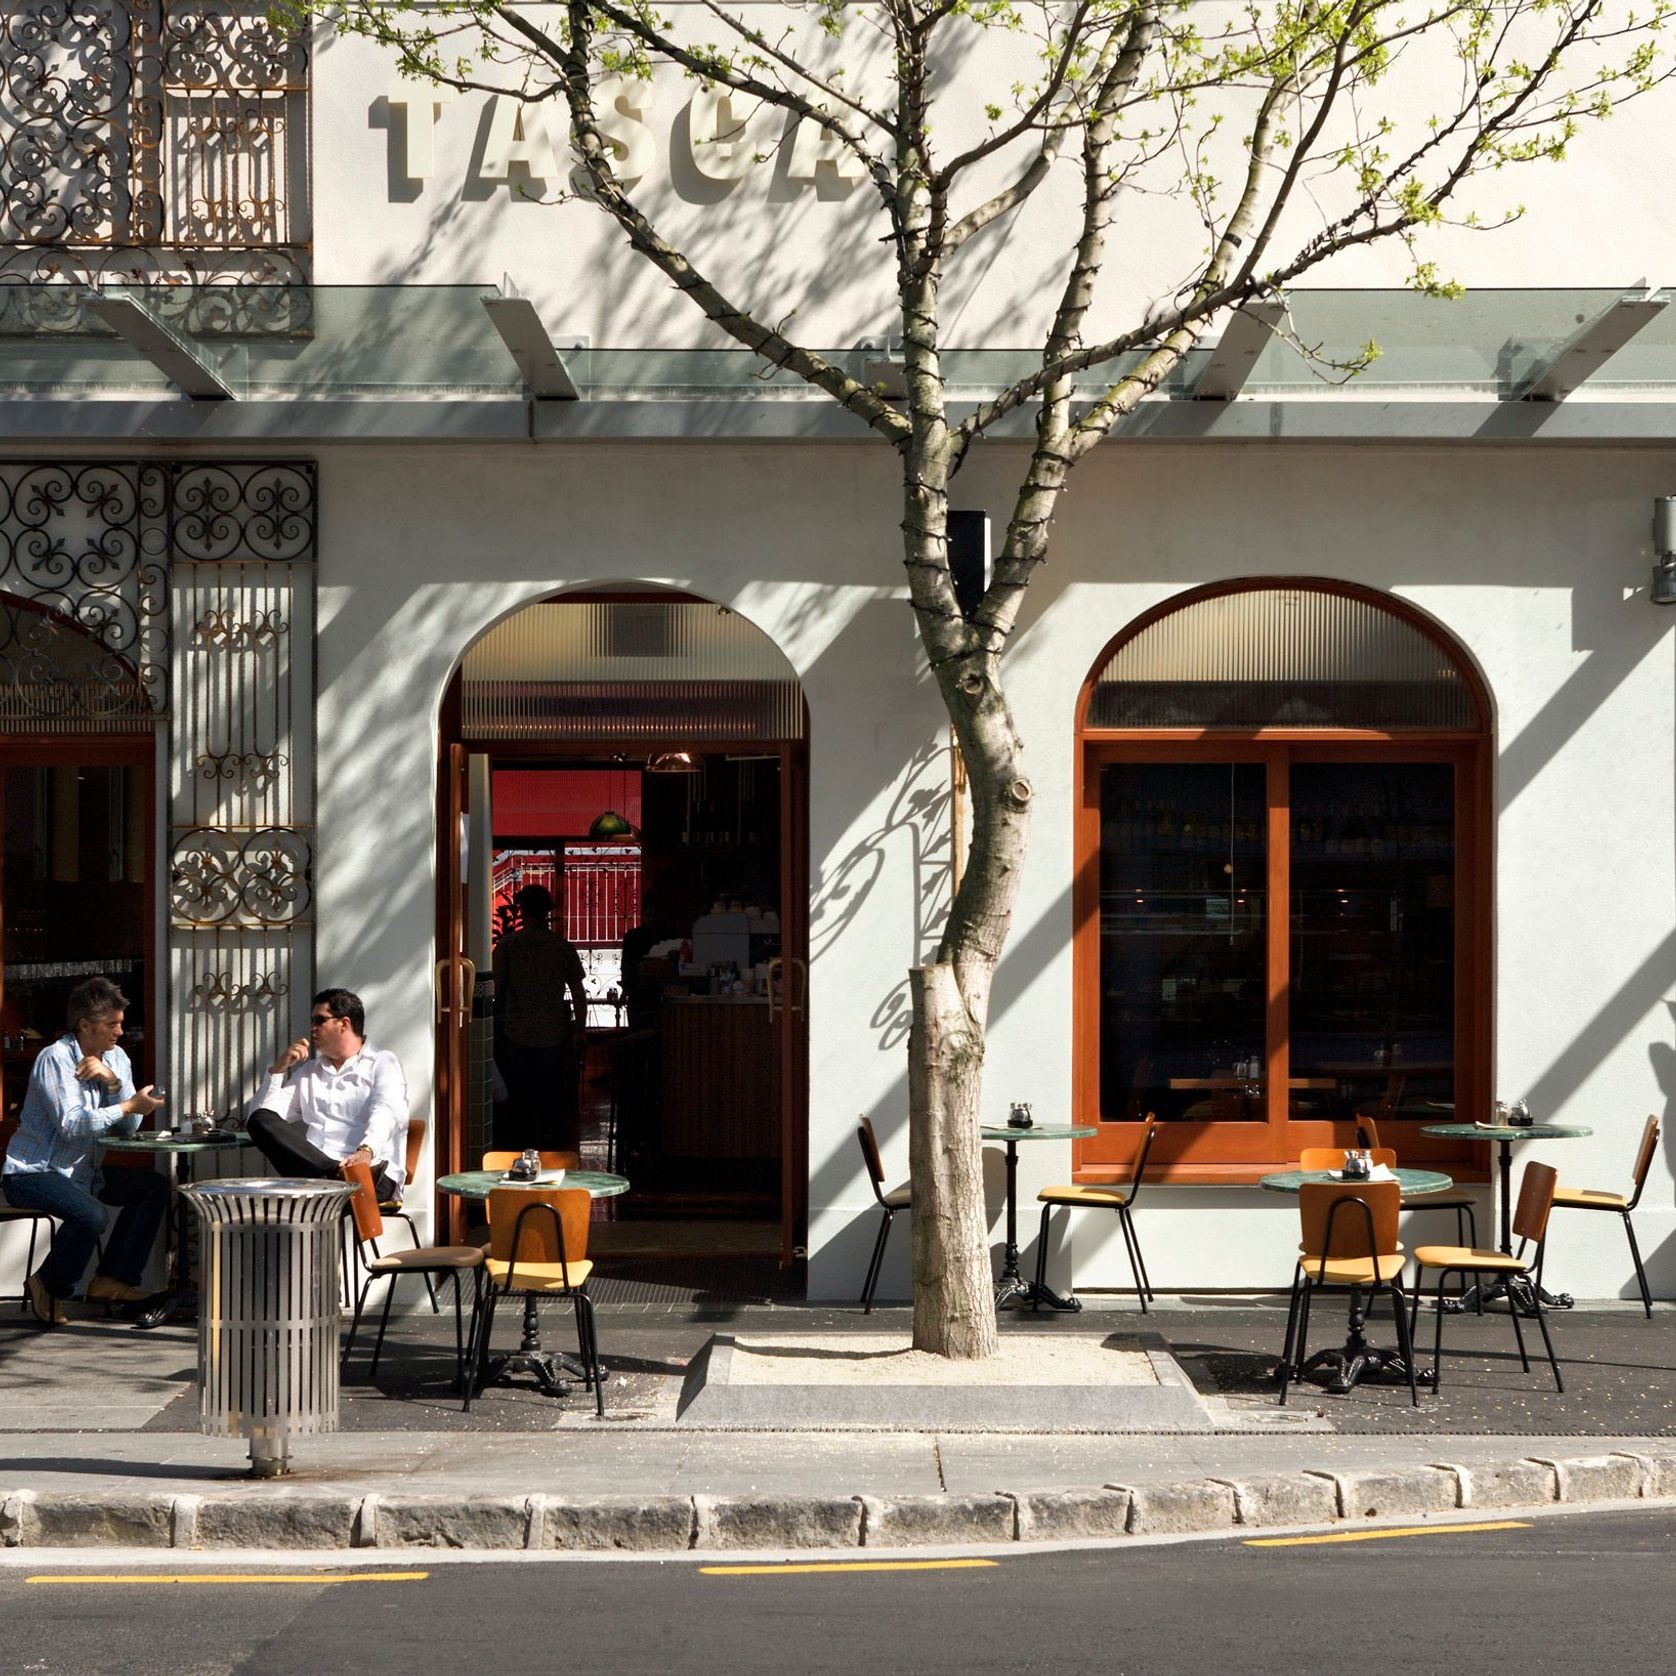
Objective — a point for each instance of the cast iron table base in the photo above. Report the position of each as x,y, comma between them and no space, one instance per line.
1356,1359
1012,1287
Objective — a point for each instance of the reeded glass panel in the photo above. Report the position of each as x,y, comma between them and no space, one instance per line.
633,671
1281,657
1373,939
1182,941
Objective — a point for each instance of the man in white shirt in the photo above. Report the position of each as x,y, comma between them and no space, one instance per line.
344,1099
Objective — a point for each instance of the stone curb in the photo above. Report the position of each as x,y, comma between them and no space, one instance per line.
265,1518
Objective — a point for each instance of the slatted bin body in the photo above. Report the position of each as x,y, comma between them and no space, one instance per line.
268,1310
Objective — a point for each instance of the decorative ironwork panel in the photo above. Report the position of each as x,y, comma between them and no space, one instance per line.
84,589
152,138
234,999
240,881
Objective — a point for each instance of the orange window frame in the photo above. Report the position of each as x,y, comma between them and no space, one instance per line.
1213,1153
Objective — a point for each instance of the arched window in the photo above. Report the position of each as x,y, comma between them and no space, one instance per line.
1281,881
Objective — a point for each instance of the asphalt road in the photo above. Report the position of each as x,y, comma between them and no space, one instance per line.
1556,1594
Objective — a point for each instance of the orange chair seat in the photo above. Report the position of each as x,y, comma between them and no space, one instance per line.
1585,1198
542,1277
427,1257
1111,1198
1353,1271
1464,1257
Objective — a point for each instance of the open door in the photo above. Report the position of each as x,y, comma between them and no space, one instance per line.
464,981
793,1016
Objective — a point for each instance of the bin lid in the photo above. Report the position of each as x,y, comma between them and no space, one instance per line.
268,1199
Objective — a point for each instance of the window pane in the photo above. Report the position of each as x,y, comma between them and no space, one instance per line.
1182,941
1281,657
1372,938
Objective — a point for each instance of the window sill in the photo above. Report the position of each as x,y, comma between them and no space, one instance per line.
1246,1175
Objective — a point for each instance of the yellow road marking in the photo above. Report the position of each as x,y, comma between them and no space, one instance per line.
840,1565
1384,1535
234,1577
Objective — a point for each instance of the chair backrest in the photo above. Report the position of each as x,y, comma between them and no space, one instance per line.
549,1224
870,1153
1536,1199
1142,1153
363,1205
549,1160
1367,1128
1344,1221
1644,1159
415,1145
1332,1157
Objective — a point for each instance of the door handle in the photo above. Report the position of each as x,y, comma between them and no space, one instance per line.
468,983
774,966
801,1005
441,990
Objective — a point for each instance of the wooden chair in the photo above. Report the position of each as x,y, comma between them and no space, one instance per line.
391,1209
1089,1196
1586,1198
1462,1204
538,1243
456,1260
1349,1245
898,1198
1530,1222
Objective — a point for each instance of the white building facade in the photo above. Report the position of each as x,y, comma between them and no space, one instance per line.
339,482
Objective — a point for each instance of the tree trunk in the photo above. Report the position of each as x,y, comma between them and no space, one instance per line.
954,1297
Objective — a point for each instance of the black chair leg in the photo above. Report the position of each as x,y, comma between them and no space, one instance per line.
1303,1328
1140,1257
1437,1341
383,1322
465,1371
354,1327
1629,1229
1548,1343
1041,1257
873,1268
1405,1343
1291,1327
1512,1296
585,1304
1136,1267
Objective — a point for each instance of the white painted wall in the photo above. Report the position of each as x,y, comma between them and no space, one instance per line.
1600,219
1529,557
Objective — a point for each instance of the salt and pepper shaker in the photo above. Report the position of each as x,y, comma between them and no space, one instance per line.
1019,1117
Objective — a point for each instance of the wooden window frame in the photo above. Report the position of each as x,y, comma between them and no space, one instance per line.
1213,1153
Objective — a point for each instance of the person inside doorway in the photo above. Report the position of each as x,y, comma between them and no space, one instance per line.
80,1090
541,1010
333,1097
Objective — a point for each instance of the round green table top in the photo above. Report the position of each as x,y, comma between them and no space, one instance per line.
476,1184
1038,1132
1412,1182
153,1140
1506,1131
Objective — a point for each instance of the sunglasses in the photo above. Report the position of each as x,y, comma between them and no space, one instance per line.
320,1018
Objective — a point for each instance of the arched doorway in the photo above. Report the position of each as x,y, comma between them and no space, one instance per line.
77,770
1282,880
643,756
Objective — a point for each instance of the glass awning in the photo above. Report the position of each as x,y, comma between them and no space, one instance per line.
278,343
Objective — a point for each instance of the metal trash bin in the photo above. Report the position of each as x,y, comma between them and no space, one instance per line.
268,1312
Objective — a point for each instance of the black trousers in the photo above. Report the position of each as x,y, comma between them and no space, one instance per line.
284,1142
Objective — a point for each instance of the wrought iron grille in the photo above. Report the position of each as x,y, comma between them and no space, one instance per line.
152,141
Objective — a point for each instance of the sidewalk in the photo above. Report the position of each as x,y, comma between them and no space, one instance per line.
102,1442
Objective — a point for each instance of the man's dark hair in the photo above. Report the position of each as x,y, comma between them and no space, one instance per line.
344,1003
94,998
535,902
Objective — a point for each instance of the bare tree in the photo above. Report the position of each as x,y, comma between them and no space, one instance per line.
1290,130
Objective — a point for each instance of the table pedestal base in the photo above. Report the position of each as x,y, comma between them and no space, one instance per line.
1524,1291
1357,1360
552,1372
1013,1288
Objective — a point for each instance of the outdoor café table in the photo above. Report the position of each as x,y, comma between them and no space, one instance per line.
182,1150
1357,1359
1506,1134
549,1367
1012,1287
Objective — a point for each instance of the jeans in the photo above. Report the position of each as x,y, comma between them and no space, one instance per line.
284,1142
143,1200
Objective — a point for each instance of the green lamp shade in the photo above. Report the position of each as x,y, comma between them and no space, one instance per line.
610,825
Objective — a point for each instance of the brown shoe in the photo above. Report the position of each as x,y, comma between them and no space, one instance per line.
46,1309
104,1288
